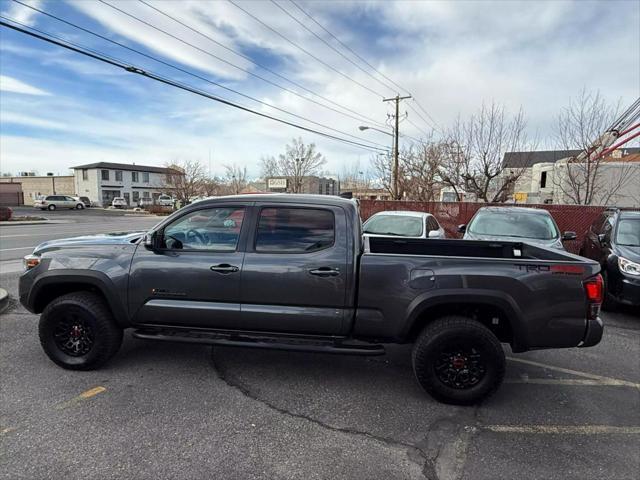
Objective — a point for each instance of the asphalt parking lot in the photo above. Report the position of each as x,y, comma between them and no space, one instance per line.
178,411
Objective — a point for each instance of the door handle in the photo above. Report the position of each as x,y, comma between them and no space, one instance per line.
224,268
325,272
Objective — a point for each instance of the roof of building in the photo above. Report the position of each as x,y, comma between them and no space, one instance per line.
528,159
125,166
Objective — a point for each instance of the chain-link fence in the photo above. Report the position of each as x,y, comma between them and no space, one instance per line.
575,218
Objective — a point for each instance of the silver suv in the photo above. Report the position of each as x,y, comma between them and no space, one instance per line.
51,202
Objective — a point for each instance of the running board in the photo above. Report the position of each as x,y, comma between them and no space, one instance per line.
296,344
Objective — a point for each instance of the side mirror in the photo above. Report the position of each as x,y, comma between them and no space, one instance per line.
462,228
602,238
147,240
152,241
566,236
434,234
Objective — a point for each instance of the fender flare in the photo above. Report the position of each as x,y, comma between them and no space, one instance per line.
98,280
496,299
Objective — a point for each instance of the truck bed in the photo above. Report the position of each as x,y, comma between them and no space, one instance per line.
536,294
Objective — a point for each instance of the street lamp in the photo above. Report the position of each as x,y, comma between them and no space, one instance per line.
362,128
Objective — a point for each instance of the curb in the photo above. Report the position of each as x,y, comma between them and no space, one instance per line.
4,300
33,222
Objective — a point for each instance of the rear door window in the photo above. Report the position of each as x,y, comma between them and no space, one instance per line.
294,230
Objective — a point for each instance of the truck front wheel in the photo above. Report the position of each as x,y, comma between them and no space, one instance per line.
458,360
78,332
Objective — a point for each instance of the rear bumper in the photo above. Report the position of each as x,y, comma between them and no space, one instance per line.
593,333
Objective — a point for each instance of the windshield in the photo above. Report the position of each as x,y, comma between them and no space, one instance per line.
628,232
514,224
404,226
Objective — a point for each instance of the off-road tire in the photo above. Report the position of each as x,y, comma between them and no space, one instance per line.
94,313
445,334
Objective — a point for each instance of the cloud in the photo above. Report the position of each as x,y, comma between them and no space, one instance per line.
10,84
23,14
451,56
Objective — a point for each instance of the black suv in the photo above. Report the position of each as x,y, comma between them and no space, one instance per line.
613,240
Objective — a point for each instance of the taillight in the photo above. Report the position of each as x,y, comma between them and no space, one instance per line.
594,289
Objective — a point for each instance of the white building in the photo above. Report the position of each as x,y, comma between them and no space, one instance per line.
102,181
544,177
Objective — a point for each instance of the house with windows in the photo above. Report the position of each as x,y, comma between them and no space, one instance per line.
103,181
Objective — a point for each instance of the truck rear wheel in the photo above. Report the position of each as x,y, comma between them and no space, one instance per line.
458,360
78,332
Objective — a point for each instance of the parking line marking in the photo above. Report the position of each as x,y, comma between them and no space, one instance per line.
83,396
564,429
568,381
600,378
92,392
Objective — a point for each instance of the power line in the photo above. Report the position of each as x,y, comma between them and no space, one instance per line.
329,45
435,124
303,50
347,46
427,122
170,65
417,127
437,127
270,70
249,72
52,39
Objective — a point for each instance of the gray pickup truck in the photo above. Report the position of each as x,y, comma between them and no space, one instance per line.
294,272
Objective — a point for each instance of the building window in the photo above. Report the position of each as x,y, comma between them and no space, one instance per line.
134,176
543,179
85,174
118,175
145,194
105,174
145,177
136,197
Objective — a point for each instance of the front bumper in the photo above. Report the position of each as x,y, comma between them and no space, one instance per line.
628,291
593,333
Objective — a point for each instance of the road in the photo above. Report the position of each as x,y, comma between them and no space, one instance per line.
185,412
17,241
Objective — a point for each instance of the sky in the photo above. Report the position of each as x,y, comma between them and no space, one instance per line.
59,109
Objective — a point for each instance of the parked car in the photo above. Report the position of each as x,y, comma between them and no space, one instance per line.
52,202
403,224
518,224
165,201
145,202
85,201
5,213
293,272
613,240
119,202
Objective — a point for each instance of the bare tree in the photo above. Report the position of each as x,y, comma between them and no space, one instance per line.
184,178
583,179
383,170
452,169
354,178
298,161
213,186
236,178
421,166
483,139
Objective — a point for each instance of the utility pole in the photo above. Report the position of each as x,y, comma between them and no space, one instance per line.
396,136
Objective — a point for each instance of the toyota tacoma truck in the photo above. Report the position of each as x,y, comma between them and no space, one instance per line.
294,272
